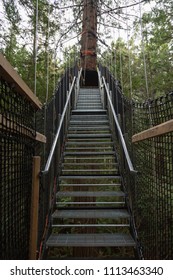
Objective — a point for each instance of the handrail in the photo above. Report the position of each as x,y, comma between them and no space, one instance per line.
10,75
49,160
129,162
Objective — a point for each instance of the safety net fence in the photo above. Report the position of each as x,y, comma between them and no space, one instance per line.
22,120
151,189
17,133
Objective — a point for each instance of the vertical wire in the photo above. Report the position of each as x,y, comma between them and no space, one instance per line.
143,50
35,49
121,70
144,59
47,74
54,74
130,72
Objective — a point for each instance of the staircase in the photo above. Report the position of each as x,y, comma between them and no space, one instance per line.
91,218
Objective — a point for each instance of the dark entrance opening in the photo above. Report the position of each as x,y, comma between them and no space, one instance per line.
89,78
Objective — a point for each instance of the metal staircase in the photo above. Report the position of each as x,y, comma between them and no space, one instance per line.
91,207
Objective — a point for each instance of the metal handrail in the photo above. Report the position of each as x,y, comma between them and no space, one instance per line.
49,160
123,143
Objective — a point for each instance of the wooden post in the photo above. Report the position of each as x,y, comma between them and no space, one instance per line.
34,208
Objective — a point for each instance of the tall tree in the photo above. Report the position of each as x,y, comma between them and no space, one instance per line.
89,35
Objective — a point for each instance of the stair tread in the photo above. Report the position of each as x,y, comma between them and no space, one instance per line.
90,225
90,185
90,170
89,194
77,111
88,153
91,240
91,203
106,135
70,143
96,164
89,177
102,128
91,214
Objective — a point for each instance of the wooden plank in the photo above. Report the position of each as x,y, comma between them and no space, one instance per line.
8,125
40,137
34,208
155,131
10,75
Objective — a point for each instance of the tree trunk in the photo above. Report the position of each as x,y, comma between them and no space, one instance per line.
89,35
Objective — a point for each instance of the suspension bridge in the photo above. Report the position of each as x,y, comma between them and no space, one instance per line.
89,174
86,176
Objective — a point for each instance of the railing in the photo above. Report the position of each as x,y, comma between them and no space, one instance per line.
148,132
19,184
52,151
153,157
122,141
56,114
125,163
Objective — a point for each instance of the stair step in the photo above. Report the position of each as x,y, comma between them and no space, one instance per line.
89,111
94,177
89,194
88,122
88,144
86,171
89,225
89,164
101,135
78,203
88,148
89,118
106,159
90,240
100,128
91,185
88,153
91,214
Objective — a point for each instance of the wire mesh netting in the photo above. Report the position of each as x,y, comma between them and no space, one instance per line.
154,183
151,190
17,130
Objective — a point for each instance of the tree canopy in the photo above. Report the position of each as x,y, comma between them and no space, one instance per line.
134,39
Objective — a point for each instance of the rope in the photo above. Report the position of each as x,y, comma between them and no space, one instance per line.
47,75
130,72
35,49
145,66
143,51
121,70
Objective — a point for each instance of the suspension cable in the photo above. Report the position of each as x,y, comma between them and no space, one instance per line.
130,72
47,74
145,65
35,48
143,51
121,70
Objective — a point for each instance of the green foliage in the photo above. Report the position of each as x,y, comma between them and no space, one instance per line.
125,59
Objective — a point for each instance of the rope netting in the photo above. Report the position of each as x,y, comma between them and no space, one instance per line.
154,184
17,129
151,190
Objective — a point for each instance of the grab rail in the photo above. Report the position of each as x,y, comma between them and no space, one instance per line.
129,162
49,160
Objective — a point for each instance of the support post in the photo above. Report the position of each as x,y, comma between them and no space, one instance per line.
34,208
